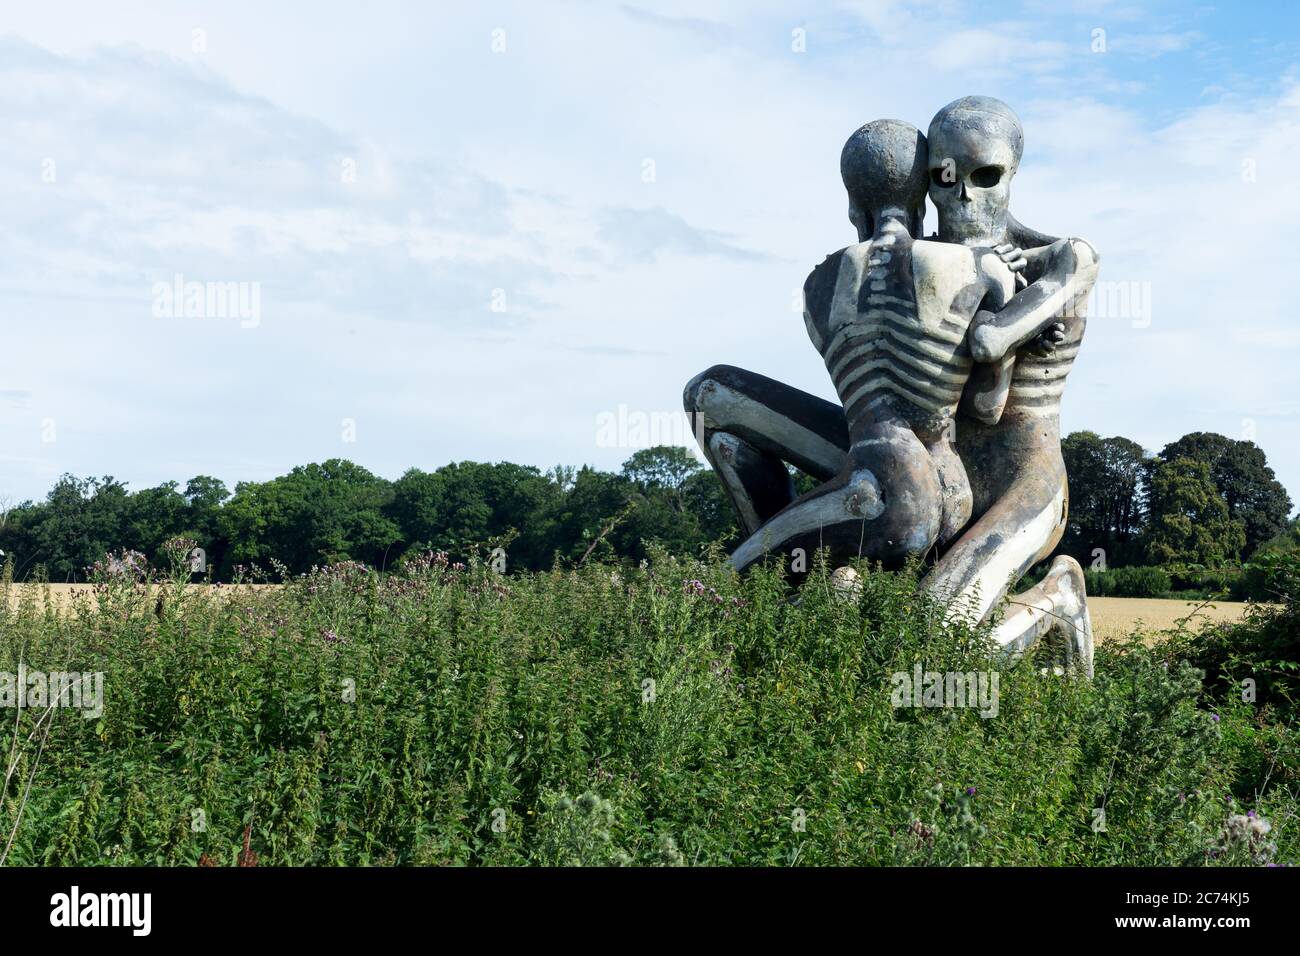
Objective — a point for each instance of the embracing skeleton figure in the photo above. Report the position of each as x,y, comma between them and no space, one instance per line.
947,438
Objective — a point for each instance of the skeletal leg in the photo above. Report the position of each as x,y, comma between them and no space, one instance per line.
750,425
1018,530
1055,609
883,505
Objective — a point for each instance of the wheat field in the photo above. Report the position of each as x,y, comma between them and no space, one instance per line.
1118,617
1112,617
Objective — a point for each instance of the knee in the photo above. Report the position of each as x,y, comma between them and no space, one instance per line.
700,389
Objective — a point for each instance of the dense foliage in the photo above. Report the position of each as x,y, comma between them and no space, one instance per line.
662,714
337,511
1206,502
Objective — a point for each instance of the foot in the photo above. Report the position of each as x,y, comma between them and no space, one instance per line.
1054,611
1072,629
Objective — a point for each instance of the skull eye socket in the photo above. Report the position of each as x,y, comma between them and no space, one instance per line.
986,176
938,177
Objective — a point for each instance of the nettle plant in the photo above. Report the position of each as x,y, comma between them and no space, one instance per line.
658,714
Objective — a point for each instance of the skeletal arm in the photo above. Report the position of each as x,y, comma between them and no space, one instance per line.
1069,270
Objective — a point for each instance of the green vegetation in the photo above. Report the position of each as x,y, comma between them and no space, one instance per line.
1204,500
338,511
651,715
1128,582
1201,507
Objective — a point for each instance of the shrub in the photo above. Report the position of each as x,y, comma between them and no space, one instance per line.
1264,646
672,713
1195,581
1136,582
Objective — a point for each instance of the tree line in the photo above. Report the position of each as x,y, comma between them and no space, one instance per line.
1204,500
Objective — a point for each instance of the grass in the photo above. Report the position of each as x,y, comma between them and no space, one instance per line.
664,715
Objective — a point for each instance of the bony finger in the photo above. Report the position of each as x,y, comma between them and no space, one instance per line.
1005,247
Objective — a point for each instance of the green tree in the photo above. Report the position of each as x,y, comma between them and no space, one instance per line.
1106,495
81,520
315,514
594,518
670,485
663,466
466,504
1244,480
18,538
204,496
152,516
1288,539
1189,520
705,498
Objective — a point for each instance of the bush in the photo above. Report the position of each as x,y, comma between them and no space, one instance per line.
674,713
1252,672
1264,646
1270,576
1194,581
1134,582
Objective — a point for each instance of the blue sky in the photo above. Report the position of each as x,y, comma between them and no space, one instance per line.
475,230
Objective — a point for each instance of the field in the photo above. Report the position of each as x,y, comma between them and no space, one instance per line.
1111,617
657,716
64,596
1114,617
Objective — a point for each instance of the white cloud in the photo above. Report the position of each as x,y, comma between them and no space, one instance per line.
523,172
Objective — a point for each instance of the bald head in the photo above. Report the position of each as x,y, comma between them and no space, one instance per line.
980,117
884,169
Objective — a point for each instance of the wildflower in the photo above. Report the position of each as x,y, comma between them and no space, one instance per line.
1245,832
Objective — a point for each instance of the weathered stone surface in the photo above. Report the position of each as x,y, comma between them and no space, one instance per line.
949,356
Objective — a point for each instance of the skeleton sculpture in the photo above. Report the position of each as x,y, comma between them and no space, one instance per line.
925,437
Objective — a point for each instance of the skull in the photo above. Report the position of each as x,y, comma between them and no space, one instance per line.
975,145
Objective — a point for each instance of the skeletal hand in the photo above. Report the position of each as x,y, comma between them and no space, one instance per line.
1047,340
1012,255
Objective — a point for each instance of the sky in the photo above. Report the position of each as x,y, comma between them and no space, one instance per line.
423,233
